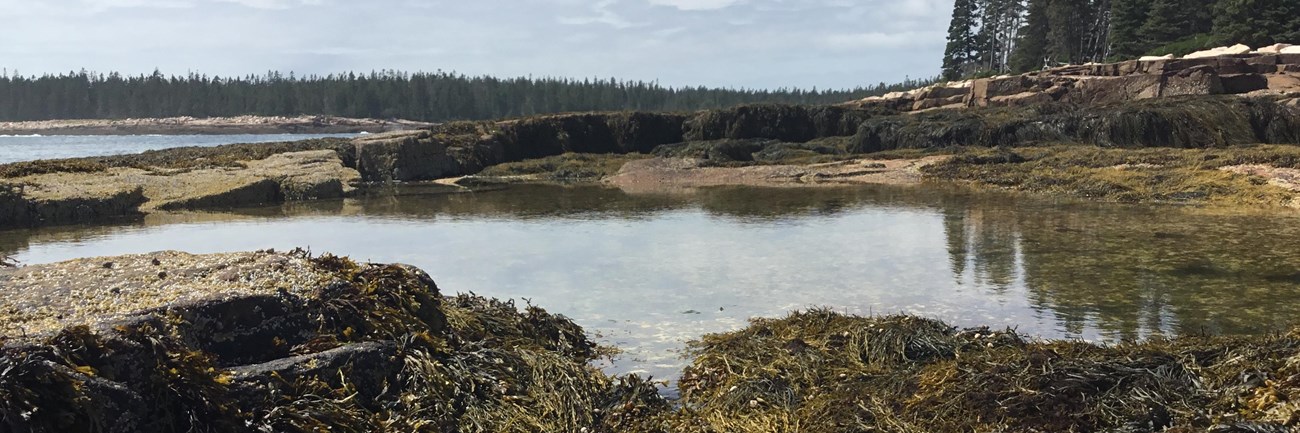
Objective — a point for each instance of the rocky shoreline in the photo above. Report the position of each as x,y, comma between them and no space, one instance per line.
1235,148
209,126
288,342
1238,70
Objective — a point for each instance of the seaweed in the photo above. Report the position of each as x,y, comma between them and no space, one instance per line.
823,371
1182,122
1126,175
375,349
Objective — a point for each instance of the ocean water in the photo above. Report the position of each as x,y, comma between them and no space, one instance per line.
34,147
648,273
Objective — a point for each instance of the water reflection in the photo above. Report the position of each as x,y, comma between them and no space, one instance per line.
647,272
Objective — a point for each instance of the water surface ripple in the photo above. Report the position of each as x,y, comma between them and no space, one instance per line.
648,272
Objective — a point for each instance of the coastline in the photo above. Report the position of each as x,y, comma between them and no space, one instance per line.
168,341
208,126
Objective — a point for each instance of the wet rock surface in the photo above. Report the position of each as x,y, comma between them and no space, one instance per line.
70,196
286,342
267,341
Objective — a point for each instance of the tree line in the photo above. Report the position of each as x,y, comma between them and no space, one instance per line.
999,36
434,97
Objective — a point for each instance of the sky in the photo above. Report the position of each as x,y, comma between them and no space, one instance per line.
717,43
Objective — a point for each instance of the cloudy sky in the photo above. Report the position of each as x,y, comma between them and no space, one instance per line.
732,43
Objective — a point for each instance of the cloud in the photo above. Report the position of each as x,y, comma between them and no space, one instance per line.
603,15
728,43
879,40
695,5
920,8
273,4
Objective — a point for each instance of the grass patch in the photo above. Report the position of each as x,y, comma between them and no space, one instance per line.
1126,175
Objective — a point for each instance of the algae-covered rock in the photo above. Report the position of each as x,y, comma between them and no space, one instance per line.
69,196
789,123
1190,122
25,205
286,342
819,371
403,158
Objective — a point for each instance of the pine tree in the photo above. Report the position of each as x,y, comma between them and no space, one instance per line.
1097,44
1068,22
1031,45
1127,18
1257,22
961,40
999,22
1170,21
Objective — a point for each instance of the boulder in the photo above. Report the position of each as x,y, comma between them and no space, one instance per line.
1020,99
1117,89
1155,58
26,206
229,192
1219,51
983,90
1272,49
926,104
418,157
642,132
173,342
942,92
1200,80
1283,83
1243,83
1127,67
1176,65
1234,65
1152,66
1264,59
766,121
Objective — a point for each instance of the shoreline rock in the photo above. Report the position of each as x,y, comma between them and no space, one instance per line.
1227,70
287,342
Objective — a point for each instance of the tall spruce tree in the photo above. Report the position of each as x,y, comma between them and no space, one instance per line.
1173,20
999,22
1097,38
959,53
1068,23
1127,18
1031,44
1257,22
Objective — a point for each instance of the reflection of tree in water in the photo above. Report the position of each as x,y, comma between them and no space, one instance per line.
1135,271
985,241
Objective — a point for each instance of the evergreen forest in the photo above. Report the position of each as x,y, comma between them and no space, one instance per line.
433,97
998,36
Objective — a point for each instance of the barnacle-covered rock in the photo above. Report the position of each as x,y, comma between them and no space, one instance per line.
268,341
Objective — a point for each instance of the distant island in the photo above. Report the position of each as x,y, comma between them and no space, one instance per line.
209,126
